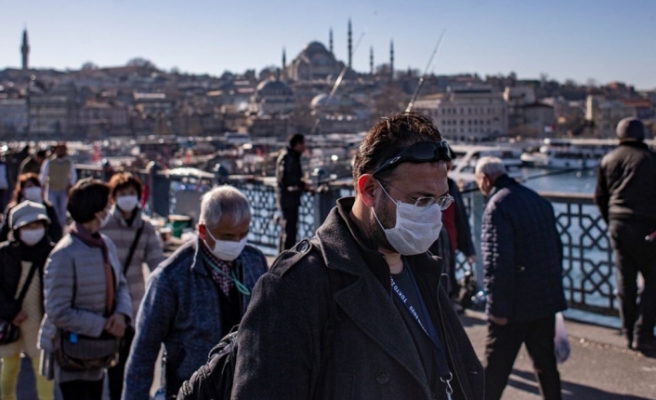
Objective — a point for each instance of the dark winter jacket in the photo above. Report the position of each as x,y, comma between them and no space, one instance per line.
289,178
626,184
372,355
55,232
11,255
181,310
522,253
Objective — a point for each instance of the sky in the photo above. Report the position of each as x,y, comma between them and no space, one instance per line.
604,40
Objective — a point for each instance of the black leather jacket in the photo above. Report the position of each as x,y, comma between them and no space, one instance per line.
289,177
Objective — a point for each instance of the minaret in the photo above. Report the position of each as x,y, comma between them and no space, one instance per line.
284,64
392,58
350,46
330,40
25,51
371,60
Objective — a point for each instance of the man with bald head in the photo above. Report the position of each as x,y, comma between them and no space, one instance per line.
522,255
359,311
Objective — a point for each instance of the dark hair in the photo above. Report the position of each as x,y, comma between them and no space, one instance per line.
88,197
41,153
296,139
17,197
124,180
389,137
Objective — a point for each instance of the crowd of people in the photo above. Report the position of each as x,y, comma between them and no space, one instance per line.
360,310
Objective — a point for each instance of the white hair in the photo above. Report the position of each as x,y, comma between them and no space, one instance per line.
492,167
223,200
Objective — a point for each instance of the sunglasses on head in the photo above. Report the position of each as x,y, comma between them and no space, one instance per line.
420,152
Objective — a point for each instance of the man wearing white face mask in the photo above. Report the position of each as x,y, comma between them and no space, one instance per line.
358,311
137,243
21,266
196,296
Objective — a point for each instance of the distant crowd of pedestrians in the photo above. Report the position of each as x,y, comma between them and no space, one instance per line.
364,309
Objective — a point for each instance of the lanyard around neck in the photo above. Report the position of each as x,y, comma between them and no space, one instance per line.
445,375
232,276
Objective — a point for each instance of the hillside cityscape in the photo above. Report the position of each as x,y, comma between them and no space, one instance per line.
139,99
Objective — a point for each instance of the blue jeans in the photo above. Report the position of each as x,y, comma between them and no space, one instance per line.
59,200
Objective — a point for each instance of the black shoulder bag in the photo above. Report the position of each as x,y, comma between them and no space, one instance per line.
9,332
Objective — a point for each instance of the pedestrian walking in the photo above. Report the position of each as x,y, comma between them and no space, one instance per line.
58,175
522,254
137,243
28,188
22,260
196,296
33,163
87,301
358,312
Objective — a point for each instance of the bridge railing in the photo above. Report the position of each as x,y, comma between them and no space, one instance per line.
588,256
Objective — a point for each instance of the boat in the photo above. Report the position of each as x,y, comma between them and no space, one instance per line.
467,156
569,153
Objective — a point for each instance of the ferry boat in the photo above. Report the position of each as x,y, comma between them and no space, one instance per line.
466,157
569,153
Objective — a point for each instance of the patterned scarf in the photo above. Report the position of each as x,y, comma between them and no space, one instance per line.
95,240
224,283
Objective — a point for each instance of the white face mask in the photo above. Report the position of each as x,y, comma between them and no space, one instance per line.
33,194
127,203
226,250
32,236
417,228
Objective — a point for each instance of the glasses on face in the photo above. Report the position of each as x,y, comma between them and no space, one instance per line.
425,201
419,152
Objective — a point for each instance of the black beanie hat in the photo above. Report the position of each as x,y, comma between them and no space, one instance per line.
630,128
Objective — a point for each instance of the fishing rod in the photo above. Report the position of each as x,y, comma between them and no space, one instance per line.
338,82
423,76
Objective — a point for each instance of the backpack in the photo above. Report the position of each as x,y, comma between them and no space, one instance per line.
213,381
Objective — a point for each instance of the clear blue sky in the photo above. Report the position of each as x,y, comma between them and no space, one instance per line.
579,39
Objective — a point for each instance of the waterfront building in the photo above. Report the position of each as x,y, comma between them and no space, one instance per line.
13,116
603,114
467,114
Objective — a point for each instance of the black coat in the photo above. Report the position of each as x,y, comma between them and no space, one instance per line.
626,184
11,256
373,355
55,232
522,253
289,179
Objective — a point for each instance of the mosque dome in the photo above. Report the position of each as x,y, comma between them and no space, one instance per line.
314,48
324,101
273,87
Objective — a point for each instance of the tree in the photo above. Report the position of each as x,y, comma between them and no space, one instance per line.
89,66
140,62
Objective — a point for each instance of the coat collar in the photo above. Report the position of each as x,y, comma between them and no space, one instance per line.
368,300
118,215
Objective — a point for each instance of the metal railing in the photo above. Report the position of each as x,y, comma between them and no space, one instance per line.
588,256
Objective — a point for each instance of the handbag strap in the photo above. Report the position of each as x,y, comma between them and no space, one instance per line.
26,285
133,247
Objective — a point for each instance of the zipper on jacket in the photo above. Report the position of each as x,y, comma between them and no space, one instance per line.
446,341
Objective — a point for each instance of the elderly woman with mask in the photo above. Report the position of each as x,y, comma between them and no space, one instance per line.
137,243
21,293
29,188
